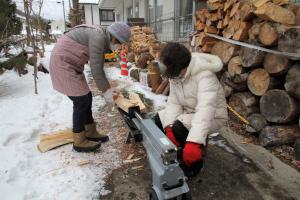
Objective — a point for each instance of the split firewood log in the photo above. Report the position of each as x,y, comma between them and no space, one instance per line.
247,11
275,13
225,51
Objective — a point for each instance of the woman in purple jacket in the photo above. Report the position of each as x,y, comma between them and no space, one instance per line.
73,50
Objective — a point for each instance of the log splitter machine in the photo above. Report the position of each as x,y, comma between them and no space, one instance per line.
168,179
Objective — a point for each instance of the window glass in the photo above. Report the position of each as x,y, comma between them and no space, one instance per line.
107,15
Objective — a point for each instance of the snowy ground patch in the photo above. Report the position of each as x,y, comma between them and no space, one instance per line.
25,173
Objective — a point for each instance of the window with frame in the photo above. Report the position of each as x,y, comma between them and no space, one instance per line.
107,15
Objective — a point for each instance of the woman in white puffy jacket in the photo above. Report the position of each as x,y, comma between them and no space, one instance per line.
196,105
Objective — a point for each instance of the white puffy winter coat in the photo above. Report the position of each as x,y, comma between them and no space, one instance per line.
197,100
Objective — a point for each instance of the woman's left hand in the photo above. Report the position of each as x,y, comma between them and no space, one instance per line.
192,153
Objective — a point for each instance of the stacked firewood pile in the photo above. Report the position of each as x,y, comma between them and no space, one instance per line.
145,54
261,86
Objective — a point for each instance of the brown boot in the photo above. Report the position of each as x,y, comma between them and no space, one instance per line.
81,144
93,135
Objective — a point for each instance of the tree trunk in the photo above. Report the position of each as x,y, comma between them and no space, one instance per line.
259,82
34,42
244,103
278,135
224,50
279,107
155,78
257,121
27,15
292,84
268,34
251,57
290,42
276,64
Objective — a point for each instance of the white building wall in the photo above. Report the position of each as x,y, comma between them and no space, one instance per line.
91,12
120,7
88,14
96,16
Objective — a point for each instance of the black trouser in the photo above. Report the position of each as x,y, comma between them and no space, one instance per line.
82,111
181,133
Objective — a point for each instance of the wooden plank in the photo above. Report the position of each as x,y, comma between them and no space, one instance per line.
53,140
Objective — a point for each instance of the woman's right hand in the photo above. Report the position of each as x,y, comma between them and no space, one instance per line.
111,95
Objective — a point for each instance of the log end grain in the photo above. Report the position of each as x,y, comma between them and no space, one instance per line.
258,81
278,106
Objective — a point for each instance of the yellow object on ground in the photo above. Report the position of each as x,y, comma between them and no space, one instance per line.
238,115
111,57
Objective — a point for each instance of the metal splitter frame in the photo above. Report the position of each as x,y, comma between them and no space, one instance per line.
168,179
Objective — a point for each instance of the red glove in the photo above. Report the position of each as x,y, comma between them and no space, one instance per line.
192,153
170,135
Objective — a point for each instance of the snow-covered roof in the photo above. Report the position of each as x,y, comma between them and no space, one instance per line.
89,1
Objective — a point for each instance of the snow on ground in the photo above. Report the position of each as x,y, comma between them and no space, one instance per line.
25,173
